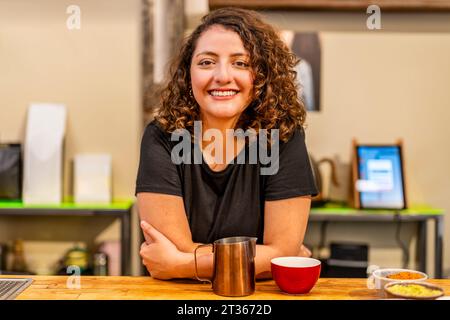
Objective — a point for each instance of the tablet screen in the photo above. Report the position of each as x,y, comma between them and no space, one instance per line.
380,177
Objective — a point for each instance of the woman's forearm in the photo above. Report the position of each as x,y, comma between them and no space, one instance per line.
265,253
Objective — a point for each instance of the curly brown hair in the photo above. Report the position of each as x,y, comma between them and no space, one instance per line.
275,102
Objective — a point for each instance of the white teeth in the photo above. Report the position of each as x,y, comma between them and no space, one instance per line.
223,93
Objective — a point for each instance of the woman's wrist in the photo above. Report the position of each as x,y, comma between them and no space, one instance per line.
185,265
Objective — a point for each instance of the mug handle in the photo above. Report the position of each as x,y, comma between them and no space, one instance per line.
371,280
371,283
195,259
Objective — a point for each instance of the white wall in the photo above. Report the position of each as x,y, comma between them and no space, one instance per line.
95,72
378,86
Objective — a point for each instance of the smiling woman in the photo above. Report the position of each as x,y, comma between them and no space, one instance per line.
232,73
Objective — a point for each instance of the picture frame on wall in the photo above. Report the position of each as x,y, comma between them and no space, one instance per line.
306,46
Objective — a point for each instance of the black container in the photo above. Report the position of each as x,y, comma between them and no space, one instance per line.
10,171
347,260
3,256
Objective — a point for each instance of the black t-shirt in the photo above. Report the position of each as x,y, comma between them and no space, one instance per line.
226,203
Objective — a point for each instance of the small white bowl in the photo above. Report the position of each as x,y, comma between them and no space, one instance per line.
380,276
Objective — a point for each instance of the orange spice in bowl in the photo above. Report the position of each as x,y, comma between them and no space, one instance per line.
404,275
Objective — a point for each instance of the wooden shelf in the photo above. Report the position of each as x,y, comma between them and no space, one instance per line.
119,209
336,5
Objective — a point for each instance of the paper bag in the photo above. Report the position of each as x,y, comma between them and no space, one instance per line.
43,154
92,178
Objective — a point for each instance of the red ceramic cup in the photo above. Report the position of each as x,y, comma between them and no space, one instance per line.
295,275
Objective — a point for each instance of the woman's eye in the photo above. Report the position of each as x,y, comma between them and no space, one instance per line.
242,64
205,63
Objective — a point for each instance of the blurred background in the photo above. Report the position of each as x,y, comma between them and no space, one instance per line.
104,61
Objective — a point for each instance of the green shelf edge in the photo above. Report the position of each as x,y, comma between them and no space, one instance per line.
115,205
126,204
338,210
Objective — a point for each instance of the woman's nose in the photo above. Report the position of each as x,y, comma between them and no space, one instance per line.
223,74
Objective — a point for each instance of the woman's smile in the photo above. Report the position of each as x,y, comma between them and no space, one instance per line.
223,94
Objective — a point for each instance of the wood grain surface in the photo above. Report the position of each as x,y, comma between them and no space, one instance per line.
139,288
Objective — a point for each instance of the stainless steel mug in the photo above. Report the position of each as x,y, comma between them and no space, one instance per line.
234,266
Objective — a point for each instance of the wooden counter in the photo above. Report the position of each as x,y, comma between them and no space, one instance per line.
138,288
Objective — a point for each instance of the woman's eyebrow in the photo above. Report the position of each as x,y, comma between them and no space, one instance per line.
211,53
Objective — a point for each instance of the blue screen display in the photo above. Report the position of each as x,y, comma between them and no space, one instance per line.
380,180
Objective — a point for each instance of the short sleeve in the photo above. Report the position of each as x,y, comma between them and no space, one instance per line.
294,177
157,173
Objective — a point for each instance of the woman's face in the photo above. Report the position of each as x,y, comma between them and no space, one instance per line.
222,80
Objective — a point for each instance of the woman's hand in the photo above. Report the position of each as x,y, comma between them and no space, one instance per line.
160,256
304,252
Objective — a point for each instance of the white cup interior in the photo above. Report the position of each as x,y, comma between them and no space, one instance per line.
295,262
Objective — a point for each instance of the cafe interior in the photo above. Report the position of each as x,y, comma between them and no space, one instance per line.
79,82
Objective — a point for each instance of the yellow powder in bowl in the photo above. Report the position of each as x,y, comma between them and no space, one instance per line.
413,290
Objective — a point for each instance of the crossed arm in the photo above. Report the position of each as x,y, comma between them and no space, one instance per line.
168,250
